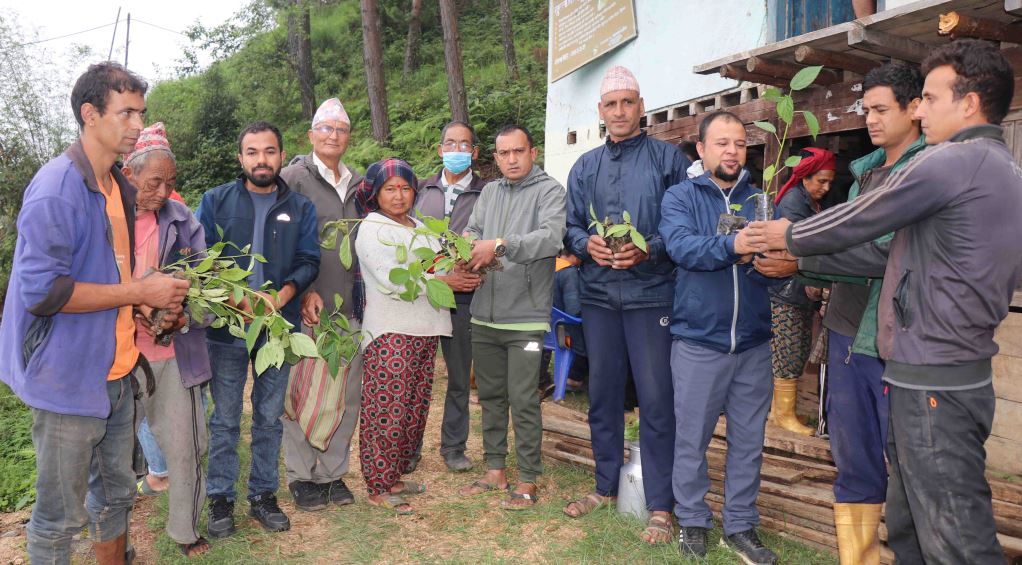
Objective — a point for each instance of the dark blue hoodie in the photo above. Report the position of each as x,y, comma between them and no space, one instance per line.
718,303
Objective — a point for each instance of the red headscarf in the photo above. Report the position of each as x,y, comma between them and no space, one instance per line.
813,161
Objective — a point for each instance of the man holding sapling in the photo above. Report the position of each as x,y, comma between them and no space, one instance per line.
257,209
67,342
452,193
952,268
518,222
316,456
720,357
626,295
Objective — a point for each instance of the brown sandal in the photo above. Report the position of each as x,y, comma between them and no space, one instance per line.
659,529
481,487
587,504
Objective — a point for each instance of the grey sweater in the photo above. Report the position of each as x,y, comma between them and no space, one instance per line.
529,216
954,260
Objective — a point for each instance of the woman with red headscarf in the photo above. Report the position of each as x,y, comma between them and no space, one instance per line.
792,310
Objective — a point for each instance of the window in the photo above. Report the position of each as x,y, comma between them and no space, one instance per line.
795,17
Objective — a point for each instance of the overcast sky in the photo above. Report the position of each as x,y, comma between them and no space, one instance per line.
152,52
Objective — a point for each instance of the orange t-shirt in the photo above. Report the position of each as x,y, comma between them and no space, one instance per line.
125,351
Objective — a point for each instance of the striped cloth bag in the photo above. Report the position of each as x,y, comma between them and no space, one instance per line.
315,400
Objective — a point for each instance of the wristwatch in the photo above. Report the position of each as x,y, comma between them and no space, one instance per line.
499,249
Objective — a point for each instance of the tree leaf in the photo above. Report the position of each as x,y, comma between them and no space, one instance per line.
811,123
424,253
786,109
600,231
768,173
436,226
263,359
253,332
626,217
439,294
338,301
345,251
592,213
765,126
793,161
399,275
402,253
303,346
617,230
639,241
234,274
237,332
805,77
772,94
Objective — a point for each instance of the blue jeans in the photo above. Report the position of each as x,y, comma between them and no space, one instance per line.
85,476
230,372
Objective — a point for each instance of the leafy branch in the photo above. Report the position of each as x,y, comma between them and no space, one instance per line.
617,235
785,108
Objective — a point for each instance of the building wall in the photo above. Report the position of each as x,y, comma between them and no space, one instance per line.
673,36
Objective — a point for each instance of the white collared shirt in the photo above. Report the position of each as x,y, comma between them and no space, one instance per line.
451,191
340,184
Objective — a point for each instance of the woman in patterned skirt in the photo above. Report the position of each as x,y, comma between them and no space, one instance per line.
401,340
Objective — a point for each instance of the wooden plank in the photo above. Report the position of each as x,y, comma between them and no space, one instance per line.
773,67
1007,419
781,515
783,475
568,457
835,60
957,24
818,514
555,409
1003,455
1009,335
735,72
883,43
1007,491
1008,518
567,427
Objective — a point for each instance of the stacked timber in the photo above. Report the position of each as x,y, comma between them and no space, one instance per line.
795,499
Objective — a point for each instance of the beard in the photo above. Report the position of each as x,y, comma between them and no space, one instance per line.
721,173
263,178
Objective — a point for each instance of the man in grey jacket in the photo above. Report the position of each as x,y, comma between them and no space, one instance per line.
953,266
519,224
314,476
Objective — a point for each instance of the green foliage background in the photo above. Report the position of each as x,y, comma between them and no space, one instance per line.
253,80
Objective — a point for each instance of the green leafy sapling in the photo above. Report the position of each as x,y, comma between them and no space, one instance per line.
617,235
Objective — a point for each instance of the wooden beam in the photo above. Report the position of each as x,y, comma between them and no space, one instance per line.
961,25
737,73
860,65
886,44
784,69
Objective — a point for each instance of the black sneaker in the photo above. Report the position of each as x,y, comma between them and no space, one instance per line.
221,517
264,508
457,462
339,493
692,540
308,495
747,545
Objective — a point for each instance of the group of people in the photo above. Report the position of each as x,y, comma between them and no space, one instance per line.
704,321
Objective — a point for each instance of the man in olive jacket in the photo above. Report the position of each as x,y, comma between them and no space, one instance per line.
519,224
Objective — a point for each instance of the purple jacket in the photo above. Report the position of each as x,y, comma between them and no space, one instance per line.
181,230
52,360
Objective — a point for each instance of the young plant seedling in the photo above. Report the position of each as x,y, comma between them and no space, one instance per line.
617,235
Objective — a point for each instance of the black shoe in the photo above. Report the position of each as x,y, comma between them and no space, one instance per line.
457,462
221,517
308,495
692,540
264,508
339,493
747,545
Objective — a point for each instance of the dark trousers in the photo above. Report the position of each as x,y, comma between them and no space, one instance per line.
615,340
458,358
857,422
938,501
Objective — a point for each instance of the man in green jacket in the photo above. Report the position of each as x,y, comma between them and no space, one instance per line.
519,225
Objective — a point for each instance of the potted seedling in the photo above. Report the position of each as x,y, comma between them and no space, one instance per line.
617,235
731,221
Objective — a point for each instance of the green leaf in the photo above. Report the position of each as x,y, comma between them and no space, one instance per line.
768,173
626,217
436,226
263,360
600,231
415,270
765,126
639,241
303,346
234,274
345,251
219,232
205,264
786,109
338,301
253,332
772,94
736,207
811,123
334,364
793,161
805,77
239,294
219,323
617,230
464,248
402,253
328,239
259,257
399,275
237,332
592,213
424,253
439,294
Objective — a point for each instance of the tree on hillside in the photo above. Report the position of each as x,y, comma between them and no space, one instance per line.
299,43
412,46
210,157
372,49
509,39
452,61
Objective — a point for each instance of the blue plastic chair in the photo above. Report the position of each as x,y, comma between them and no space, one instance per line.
558,341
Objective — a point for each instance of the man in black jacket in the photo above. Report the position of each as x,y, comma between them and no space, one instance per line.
953,267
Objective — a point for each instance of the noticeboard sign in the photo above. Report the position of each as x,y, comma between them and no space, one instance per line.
582,30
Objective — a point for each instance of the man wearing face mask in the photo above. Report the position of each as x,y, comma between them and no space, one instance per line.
452,193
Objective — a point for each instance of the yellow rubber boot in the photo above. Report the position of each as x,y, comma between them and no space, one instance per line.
782,409
858,539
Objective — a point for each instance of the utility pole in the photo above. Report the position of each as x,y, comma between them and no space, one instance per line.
110,53
127,38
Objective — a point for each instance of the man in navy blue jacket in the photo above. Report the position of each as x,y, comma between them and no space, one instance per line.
626,297
720,358
258,209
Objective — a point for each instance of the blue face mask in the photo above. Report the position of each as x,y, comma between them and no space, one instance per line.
457,161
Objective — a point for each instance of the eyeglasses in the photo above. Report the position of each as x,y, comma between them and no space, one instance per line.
327,131
464,146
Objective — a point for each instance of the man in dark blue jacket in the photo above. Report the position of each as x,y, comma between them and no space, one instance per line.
626,297
720,358
257,209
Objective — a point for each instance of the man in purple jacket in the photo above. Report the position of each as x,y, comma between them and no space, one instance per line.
67,338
